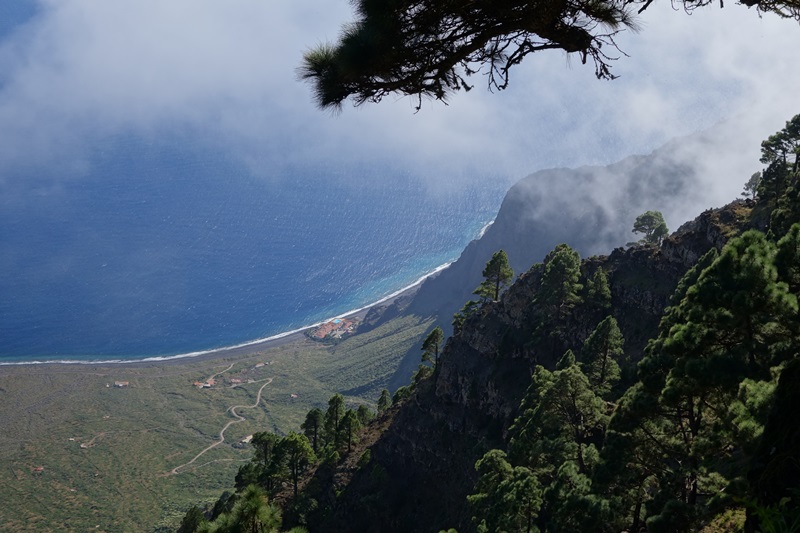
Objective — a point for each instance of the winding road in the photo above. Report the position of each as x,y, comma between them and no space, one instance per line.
239,418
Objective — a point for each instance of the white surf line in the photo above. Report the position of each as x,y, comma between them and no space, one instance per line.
158,359
239,418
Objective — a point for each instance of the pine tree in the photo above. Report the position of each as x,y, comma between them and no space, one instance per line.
313,428
558,294
561,423
364,414
637,457
560,418
461,316
559,291
266,465
652,224
600,354
784,146
787,209
193,520
333,421
254,513
264,443
498,275
751,186
251,513
735,315
350,426
507,498
676,429
430,50
384,402
787,259
431,346
774,180
296,453
598,292
566,361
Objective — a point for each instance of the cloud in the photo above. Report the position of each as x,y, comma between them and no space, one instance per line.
224,72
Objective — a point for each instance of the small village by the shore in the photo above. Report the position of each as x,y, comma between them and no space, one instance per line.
335,329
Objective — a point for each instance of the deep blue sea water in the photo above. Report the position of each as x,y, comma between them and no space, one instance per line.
168,248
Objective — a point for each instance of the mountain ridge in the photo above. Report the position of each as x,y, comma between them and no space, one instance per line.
429,448
539,212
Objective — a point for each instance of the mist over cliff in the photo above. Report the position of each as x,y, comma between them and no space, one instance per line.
592,208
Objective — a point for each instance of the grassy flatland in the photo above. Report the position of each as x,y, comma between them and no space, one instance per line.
79,454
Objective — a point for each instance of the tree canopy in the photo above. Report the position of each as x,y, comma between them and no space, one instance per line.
432,48
751,185
432,344
385,401
652,224
313,428
498,274
598,292
600,353
558,294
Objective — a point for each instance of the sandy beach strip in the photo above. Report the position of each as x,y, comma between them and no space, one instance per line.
244,349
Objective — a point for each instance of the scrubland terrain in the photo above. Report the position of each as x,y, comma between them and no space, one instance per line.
80,453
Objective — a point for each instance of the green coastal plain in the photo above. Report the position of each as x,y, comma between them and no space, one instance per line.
130,447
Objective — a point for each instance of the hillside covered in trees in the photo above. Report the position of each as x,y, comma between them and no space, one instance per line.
653,389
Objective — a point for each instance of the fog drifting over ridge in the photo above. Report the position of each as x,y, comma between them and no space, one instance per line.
80,70
159,161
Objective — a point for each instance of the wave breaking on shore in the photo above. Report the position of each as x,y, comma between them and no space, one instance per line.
266,340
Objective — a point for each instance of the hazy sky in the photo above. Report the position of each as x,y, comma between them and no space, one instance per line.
77,71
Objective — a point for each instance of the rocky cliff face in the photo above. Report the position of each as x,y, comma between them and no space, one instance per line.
590,208
422,466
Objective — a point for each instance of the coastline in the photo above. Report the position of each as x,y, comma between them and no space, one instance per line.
245,348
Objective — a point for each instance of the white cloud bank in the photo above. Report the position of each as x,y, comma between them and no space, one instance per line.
81,70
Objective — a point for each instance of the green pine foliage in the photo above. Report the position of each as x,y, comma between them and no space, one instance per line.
553,453
332,425
704,388
600,354
507,498
364,414
350,425
313,428
401,394
778,187
598,291
461,316
294,452
385,401
673,452
193,520
559,293
566,361
251,512
431,346
277,467
751,185
498,274
684,445
431,50
652,225
705,436
560,288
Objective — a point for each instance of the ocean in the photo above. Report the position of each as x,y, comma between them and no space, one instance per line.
158,249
